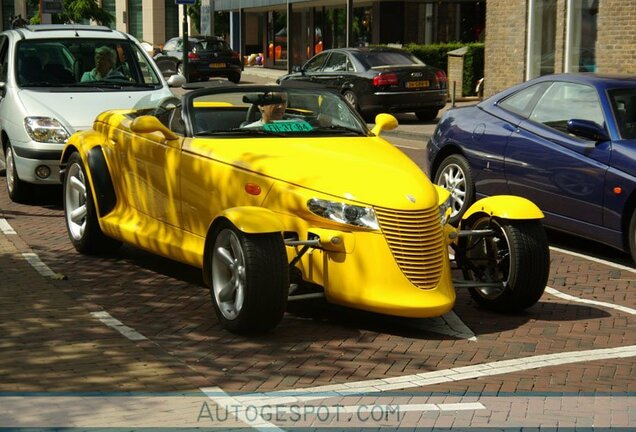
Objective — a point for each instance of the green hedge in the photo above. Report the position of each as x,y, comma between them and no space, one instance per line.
437,55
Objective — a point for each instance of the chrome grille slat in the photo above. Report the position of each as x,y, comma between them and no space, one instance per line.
416,242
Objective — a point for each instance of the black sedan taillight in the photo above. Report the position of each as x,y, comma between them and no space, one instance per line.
442,80
385,79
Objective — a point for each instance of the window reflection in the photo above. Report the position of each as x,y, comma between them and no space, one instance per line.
582,30
541,37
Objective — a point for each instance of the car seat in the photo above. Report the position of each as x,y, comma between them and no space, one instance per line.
30,70
58,73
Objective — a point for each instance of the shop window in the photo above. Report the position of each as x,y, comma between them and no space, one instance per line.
581,36
541,37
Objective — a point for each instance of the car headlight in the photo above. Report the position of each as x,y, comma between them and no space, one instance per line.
344,213
45,129
445,209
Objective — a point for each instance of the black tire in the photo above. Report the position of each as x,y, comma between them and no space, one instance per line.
257,301
454,175
632,236
426,115
17,189
517,255
234,77
83,229
351,99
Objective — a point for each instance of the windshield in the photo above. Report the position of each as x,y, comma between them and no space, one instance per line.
390,58
94,64
624,107
274,111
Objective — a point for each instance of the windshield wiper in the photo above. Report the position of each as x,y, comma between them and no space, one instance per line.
239,131
340,129
112,84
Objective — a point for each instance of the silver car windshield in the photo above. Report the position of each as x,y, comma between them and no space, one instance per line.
93,64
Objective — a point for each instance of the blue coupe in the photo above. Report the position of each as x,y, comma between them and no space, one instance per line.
567,142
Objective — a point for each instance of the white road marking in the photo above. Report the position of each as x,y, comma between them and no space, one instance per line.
6,228
222,399
437,377
37,264
597,260
114,323
568,297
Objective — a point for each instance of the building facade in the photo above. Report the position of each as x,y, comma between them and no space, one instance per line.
288,32
529,38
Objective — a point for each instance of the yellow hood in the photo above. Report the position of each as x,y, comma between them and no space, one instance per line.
368,170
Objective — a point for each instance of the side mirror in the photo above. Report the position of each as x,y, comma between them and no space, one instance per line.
384,122
587,129
176,80
297,68
150,124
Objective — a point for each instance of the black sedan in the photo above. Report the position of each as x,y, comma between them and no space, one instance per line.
567,142
377,80
207,57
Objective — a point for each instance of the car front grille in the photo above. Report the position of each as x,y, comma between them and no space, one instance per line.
416,241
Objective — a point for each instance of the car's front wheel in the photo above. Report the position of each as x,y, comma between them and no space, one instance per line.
16,188
454,175
249,280
80,214
513,263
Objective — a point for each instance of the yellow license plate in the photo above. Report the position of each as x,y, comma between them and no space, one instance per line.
217,65
417,84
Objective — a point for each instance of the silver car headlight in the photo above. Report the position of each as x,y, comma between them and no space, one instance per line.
45,129
344,213
445,209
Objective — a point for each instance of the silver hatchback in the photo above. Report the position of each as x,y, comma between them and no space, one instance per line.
54,80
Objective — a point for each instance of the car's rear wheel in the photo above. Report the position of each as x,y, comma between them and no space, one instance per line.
426,115
234,77
351,99
249,280
513,263
80,214
455,176
17,189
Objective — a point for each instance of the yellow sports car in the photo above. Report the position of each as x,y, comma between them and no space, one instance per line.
279,193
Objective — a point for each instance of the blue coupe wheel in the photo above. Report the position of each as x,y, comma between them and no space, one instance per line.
454,175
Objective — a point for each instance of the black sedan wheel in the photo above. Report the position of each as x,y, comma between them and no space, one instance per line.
454,175
426,115
351,98
513,263
79,212
249,279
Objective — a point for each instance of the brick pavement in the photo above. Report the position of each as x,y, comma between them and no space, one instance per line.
50,341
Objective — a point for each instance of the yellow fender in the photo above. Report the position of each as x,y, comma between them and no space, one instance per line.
505,207
252,219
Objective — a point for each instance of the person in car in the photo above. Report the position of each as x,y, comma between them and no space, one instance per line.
270,112
104,66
